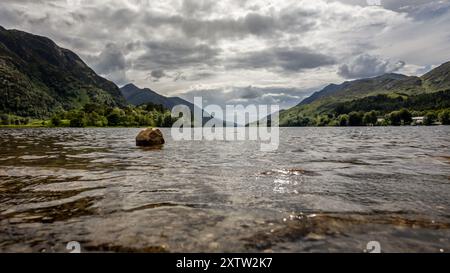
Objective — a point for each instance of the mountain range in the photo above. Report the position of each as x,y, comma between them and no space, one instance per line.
39,78
331,99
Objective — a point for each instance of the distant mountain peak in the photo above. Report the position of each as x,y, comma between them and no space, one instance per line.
385,81
138,96
130,85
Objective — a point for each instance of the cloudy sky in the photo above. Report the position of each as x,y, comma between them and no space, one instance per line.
241,51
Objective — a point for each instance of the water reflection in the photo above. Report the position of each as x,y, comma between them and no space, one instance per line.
325,189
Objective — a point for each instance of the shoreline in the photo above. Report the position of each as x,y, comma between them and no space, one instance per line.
132,127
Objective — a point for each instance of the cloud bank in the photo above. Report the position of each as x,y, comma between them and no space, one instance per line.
283,50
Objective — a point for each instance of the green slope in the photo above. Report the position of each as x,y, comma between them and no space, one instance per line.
332,98
37,78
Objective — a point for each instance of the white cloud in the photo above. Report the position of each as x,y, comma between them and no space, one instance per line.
365,66
176,46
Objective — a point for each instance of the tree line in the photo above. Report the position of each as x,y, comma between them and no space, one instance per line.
374,118
96,115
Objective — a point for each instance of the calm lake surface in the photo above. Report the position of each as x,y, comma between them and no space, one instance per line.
324,190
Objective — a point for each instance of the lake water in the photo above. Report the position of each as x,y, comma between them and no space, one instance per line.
323,190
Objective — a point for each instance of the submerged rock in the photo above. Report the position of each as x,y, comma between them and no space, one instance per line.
150,137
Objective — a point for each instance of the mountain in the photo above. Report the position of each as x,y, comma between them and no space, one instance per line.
37,77
438,78
357,88
137,96
333,97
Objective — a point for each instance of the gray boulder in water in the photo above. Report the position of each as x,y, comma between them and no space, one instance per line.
150,137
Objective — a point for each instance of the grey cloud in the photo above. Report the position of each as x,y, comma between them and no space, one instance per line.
249,93
10,17
110,59
418,9
132,46
213,30
429,10
258,25
179,77
285,59
251,24
209,43
196,7
407,5
365,65
111,63
156,75
173,55
79,17
395,5
284,97
198,76
288,21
